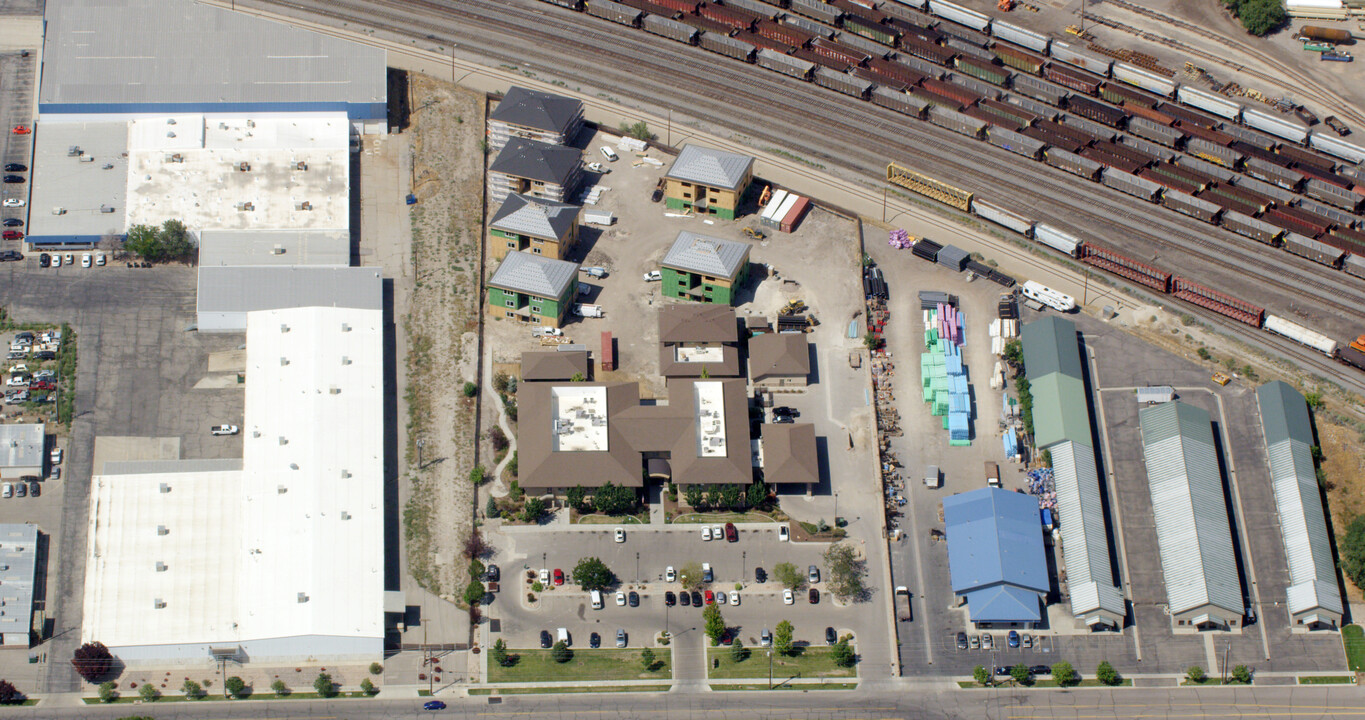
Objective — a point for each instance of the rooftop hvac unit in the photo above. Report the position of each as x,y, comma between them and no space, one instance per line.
345,473
284,440
345,360
59,211
280,490
165,488
170,133
170,121
222,126
251,123
74,151
293,466
159,604
284,361
303,597
246,206
334,390
300,165
160,566
277,250
162,530
86,158
305,205
284,328
106,208
345,515
243,167
345,327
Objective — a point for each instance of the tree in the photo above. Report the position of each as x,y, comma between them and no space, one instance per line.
693,496
1106,674
376,669
1021,674
639,131
1352,550
532,510
1242,674
142,242
194,690
788,574
615,499
324,685
148,692
92,661
474,592
9,693
1314,399
1064,674
475,546
561,652
715,624
476,570
499,654
490,509
981,675
738,653
1014,353
872,341
107,692
846,571
476,475
498,438
1261,16
367,686
279,688
470,389
782,638
757,493
592,574
842,653
690,576
512,464
1195,674
732,497
175,241
647,659
577,497
234,686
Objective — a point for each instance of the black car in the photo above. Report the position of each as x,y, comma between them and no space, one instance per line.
13,222
492,573
760,575
814,596
11,256
783,419
670,598
594,641
696,598
15,167
14,178
1002,670
784,411
685,599
1040,670
545,639
831,637
962,641
633,598
34,489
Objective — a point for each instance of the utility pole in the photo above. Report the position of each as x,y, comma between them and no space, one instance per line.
1085,297
420,443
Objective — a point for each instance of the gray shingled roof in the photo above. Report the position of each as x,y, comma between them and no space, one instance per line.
537,161
534,109
529,215
534,275
710,167
706,255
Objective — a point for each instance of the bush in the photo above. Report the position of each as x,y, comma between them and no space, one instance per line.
193,690
1352,550
532,511
9,693
470,390
512,464
235,686
693,495
561,652
476,475
148,693
1242,674
788,574
1204,353
498,438
639,131
501,382
1196,674
279,688
367,687
490,509
107,691
615,499
1106,674
577,498
324,685
647,659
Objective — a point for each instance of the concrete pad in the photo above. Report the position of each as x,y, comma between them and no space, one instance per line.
226,361
123,449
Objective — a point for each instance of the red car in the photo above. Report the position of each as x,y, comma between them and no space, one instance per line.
21,130
559,576
13,235
42,385
710,598
731,534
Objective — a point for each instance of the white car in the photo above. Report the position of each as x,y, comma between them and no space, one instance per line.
718,533
20,368
720,598
224,430
787,598
783,533
56,260
598,168
706,533
669,575
620,535
69,259
734,597
8,490
545,577
609,154
99,259
620,598
17,381
56,456
86,260
13,202
653,276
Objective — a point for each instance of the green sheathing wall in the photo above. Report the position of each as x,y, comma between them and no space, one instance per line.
497,298
680,204
676,283
540,307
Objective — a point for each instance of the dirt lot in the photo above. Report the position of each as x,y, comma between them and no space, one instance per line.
440,329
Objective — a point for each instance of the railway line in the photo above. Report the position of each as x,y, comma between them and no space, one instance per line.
845,131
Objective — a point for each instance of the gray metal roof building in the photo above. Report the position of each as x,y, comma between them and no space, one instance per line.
18,572
1203,588
537,217
231,248
22,450
704,255
710,167
538,161
77,199
227,294
166,56
1314,599
534,275
1061,425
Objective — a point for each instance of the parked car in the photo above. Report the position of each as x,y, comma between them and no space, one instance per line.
783,533
21,130
987,642
44,260
13,235
783,410
11,256
975,642
1040,670
86,260
559,577
814,574
1002,670
734,597
1013,639
787,598
594,641
710,598
620,535
545,576
1028,640
706,533
706,574
56,260
669,575
784,420
13,222
224,430
17,381
610,154
670,598
696,598
99,259
814,596
6,490
685,599
69,259
620,598
760,575
766,638
13,202
731,534
433,705
620,638
547,332
653,276
962,641
633,598
20,490
15,167
545,641
831,637
55,474
34,488
14,179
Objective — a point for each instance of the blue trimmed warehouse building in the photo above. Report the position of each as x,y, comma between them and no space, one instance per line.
996,558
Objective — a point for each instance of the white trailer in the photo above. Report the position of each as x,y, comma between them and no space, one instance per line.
1043,294
1301,334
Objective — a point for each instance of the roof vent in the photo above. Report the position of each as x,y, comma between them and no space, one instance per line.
162,530
303,597
243,167
284,440
300,165
170,121
293,466
345,515
170,133
284,361
284,328
159,604
106,208
277,250
160,566
165,488
305,205
74,151
255,433
345,473
345,327
246,206
281,490
335,390
251,123
345,360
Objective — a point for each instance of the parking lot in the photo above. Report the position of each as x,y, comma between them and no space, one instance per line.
18,78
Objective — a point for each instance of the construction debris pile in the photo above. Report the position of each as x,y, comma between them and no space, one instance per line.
900,240
1040,486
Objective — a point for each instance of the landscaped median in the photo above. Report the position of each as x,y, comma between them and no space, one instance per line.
808,662
1353,638
530,666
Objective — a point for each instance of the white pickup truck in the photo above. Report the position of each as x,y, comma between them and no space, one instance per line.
588,311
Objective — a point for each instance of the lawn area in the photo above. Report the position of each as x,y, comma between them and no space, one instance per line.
813,662
1353,637
573,689
713,518
1325,680
538,666
1088,683
611,519
776,686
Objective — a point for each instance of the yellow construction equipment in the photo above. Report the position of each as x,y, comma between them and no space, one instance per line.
1005,5
755,233
1077,31
792,307
1221,379
766,195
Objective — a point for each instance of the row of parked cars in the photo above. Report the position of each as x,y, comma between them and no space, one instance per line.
30,486
986,641
58,259
12,179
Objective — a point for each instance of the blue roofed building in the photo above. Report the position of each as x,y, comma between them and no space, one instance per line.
995,556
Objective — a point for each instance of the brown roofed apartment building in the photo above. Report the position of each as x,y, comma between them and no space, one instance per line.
788,454
779,360
554,365
698,341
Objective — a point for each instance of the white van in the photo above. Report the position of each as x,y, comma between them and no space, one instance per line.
609,154
564,637
596,599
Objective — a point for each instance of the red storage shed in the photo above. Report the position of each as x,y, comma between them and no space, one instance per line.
794,216
608,361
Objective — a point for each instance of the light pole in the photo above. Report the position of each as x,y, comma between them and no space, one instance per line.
420,442
836,508
637,567
743,564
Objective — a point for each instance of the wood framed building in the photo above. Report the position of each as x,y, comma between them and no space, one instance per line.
708,181
534,225
535,168
704,269
534,115
532,288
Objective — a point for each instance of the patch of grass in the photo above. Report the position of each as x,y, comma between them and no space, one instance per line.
1353,637
133,698
1044,683
784,686
812,662
570,690
611,520
537,666
1326,679
709,518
